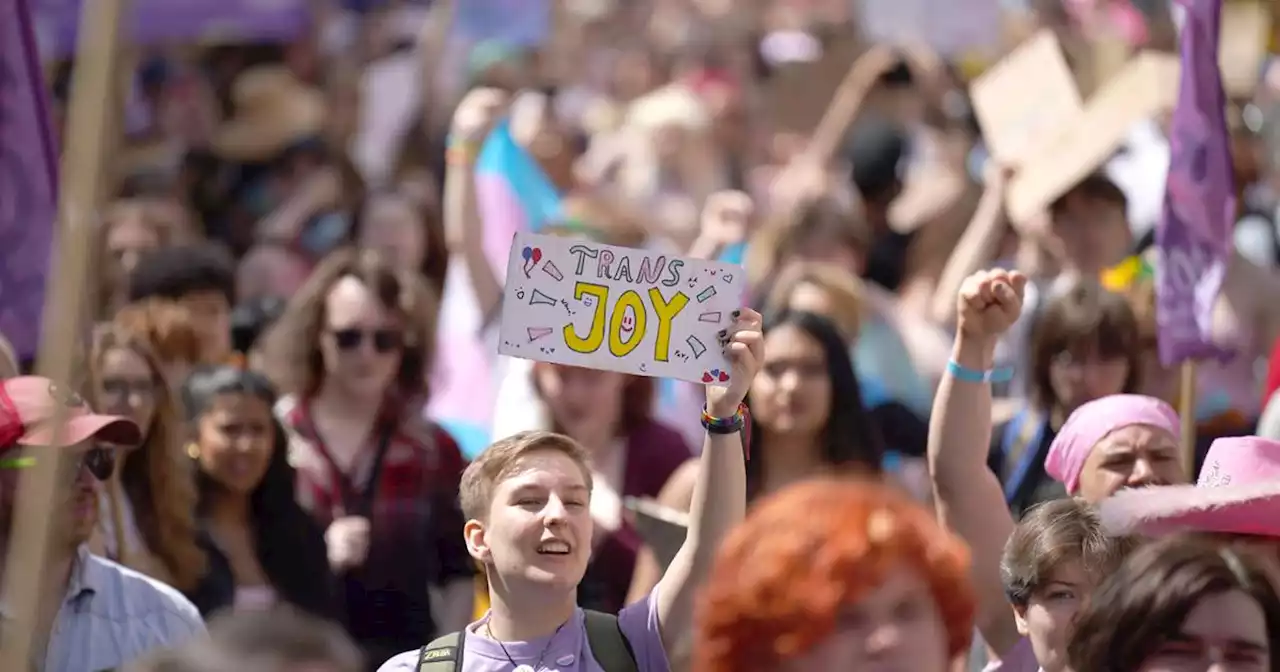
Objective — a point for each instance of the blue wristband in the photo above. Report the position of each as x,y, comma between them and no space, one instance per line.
1001,375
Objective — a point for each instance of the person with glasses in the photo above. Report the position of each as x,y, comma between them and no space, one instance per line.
147,505
95,614
350,353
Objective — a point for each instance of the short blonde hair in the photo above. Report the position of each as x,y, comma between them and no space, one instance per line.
499,460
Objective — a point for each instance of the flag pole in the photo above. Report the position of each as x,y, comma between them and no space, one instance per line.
86,142
1187,415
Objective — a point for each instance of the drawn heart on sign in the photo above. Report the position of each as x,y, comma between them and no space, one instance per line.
707,377
728,278
724,377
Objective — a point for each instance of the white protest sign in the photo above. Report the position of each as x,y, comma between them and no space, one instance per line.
582,303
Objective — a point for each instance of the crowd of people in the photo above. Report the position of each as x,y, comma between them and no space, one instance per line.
948,443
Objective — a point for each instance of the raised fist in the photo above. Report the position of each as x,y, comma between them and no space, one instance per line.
989,303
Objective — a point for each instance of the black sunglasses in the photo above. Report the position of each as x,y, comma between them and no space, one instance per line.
384,340
100,462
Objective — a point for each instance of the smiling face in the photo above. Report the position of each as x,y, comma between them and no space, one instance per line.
538,528
236,438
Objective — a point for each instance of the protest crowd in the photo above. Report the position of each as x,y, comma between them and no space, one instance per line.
643,335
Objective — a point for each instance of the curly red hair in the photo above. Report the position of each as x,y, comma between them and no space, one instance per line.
784,575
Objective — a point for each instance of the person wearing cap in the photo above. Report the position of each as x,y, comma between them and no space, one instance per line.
94,614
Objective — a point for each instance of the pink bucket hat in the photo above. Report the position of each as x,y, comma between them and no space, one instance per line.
1238,493
1090,423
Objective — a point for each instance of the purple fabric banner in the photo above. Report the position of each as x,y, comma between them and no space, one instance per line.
1194,236
158,21
28,180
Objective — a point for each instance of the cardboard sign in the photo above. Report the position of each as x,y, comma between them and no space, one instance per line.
1246,29
1026,96
582,303
1144,88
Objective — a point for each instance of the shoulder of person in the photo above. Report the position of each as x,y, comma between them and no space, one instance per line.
142,593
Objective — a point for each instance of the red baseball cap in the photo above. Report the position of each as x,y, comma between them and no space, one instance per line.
29,404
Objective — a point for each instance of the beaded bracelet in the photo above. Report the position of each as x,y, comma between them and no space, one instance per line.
729,425
959,372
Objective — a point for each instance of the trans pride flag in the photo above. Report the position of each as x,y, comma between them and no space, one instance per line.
513,195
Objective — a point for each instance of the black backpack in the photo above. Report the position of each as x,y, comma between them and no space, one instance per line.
604,637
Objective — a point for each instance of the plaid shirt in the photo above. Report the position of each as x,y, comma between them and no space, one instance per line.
413,511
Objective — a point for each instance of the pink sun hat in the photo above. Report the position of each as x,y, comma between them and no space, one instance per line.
1238,493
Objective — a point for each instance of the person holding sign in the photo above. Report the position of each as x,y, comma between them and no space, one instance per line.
529,524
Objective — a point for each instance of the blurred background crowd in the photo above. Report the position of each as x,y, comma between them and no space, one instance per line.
297,273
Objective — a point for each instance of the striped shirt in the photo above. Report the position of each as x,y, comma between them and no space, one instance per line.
113,615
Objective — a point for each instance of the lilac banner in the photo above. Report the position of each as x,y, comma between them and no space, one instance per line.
1194,237
158,21
28,180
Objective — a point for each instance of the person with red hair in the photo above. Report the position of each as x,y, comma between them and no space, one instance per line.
834,574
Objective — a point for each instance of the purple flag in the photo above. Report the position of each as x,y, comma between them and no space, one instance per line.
1194,236
28,180
158,21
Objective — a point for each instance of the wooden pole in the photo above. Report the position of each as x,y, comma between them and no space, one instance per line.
1187,413
39,490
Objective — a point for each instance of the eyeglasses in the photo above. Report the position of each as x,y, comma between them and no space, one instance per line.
122,388
384,340
100,461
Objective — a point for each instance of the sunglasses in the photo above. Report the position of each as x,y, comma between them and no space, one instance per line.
384,340
100,462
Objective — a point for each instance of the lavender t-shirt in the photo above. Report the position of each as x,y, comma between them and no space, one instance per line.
565,651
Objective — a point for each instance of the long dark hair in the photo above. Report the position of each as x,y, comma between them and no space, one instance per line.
849,438
1142,605
290,545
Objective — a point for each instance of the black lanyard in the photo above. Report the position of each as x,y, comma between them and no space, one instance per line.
360,503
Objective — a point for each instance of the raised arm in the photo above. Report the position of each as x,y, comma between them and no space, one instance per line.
476,115
968,496
720,493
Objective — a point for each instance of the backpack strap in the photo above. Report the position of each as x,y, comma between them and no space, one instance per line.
443,654
609,646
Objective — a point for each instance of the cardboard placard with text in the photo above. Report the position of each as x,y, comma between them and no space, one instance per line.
581,303
1026,96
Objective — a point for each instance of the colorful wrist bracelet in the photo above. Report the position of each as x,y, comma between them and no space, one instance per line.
460,152
730,425
998,375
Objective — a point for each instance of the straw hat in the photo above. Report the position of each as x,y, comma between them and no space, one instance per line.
1238,493
1145,87
273,110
